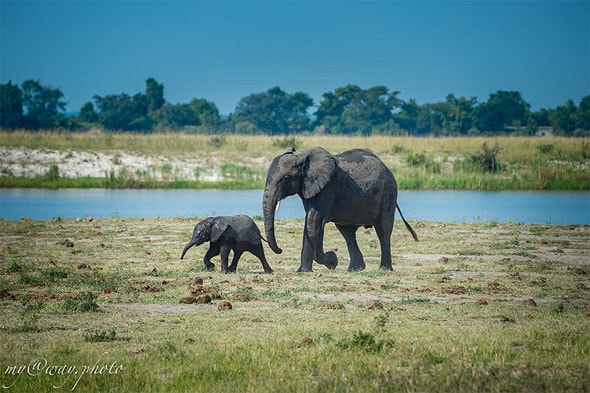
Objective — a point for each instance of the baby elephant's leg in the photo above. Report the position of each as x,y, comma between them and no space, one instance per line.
211,252
234,263
258,251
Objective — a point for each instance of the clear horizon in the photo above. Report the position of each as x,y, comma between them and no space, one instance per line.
225,50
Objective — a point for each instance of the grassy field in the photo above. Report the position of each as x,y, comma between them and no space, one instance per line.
202,161
94,305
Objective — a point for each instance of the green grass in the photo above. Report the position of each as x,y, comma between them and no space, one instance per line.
460,323
515,163
96,182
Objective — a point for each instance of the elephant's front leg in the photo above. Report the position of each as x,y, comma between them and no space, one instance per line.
225,249
313,244
211,252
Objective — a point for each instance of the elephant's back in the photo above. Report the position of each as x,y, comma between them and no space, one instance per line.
364,167
245,226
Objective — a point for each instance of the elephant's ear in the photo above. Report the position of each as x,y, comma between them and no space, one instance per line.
217,229
318,168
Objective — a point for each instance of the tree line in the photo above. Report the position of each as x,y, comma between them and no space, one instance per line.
349,110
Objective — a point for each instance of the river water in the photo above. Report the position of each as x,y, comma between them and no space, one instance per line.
446,206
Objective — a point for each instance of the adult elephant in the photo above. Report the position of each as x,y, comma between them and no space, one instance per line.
351,189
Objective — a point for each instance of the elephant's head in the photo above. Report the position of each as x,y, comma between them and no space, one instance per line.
304,173
209,229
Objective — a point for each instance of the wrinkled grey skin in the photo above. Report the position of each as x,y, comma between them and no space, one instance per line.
351,189
225,233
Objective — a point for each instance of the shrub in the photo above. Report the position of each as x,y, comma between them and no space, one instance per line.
102,336
397,148
416,159
53,172
545,148
286,142
421,159
217,141
15,267
84,302
54,274
364,341
486,160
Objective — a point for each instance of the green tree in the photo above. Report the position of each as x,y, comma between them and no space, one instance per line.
123,112
199,112
564,118
11,106
503,109
352,110
275,111
541,117
131,113
206,112
584,113
407,116
154,93
43,106
451,117
87,113
175,116
455,114
329,112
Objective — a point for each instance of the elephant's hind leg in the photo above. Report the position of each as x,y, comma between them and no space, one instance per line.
384,233
357,261
258,251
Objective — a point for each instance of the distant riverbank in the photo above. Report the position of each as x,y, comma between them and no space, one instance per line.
118,161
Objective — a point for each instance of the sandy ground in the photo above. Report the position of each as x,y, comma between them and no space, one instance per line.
25,162
511,263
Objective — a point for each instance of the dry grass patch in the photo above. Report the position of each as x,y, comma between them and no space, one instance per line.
472,307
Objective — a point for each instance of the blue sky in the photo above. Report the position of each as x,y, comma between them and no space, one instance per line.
224,50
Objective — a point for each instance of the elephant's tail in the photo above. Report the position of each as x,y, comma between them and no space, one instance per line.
407,225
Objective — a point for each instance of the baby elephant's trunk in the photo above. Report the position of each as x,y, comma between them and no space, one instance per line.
189,245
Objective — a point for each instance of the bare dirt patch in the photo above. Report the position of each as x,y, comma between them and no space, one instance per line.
453,264
28,162
156,309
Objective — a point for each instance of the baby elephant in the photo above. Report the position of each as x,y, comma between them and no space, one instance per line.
225,233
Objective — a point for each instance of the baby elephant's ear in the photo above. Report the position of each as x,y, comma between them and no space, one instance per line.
217,229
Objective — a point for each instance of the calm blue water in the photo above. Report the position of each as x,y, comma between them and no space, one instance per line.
458,206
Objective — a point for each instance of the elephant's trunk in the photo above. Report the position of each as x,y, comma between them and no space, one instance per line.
185,249
269,203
